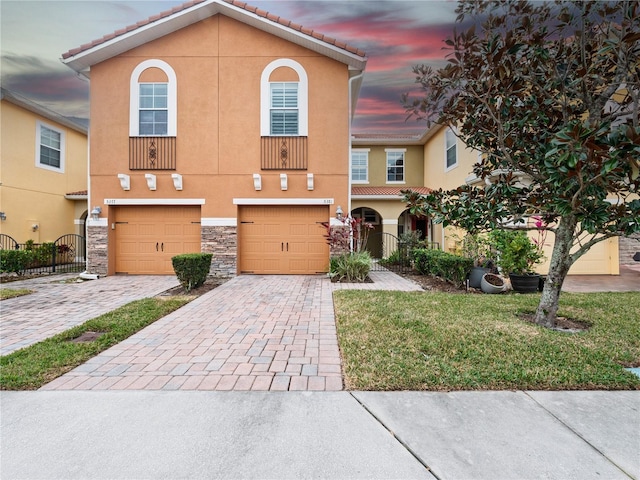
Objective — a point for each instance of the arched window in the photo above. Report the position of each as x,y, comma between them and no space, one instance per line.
153,100
284,99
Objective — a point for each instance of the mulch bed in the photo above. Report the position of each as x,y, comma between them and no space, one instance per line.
209,284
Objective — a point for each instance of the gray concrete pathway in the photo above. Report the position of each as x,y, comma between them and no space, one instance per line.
324,435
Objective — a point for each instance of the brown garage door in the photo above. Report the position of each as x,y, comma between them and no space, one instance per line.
283,239
146,237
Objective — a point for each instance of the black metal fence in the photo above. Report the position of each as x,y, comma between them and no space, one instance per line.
66,254
392,254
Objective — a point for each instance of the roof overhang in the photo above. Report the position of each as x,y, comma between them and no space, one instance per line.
82,61
33,107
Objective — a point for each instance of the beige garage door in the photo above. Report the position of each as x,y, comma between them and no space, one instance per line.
283,239
601,259
146,237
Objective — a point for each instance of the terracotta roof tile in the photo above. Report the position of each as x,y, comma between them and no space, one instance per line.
77,194
386,191
262,13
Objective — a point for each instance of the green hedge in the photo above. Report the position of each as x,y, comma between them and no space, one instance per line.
15,261
192,268
451,267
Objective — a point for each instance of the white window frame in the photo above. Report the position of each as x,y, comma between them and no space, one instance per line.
153,108
366,165
404,166
289,92
450,131
265,97
134,97
39,126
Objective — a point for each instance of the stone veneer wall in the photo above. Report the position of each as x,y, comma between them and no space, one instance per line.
97,262
223,243
628,246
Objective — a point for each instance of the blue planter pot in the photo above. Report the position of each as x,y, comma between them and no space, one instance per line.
475,277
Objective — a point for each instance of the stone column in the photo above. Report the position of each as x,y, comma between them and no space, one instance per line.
97,260
222,242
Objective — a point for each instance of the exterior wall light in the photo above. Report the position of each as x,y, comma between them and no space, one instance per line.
3,216
309,181
283,181
95,213
339,213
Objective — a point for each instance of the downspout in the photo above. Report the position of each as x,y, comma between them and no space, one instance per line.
355,77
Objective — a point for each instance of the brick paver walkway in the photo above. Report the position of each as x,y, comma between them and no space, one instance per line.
252,333
56,306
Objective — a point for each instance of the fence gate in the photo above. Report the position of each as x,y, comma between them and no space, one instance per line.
66,254
389,253
69,253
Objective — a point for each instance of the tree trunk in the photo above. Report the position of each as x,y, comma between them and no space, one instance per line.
558,269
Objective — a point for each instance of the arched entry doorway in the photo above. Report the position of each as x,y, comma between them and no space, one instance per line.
412,223
372,217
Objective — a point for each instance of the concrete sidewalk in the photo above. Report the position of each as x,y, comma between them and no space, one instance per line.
328,435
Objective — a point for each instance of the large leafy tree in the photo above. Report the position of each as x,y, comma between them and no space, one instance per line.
549,93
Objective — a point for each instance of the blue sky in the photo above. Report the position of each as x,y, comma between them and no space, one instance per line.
395,34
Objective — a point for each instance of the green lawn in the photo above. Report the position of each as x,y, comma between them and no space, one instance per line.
438,341
38,364
6,293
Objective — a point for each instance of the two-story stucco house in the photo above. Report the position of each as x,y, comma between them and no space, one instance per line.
448,163
43,172
382,165
217,127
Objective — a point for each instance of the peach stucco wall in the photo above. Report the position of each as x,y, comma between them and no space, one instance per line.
218,64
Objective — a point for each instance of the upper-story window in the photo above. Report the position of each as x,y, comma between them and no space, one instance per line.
395,165
451,150
360,165
153,114
284,99
153,100
284,108
49,147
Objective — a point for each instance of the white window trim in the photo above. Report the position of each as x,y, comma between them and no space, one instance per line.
39,126
455,165
172,97
404,166
265,96
366,180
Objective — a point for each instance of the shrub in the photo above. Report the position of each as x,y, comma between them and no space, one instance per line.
192,268
516,252
451,267
15,261
350,267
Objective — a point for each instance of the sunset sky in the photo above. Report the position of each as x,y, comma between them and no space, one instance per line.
395,34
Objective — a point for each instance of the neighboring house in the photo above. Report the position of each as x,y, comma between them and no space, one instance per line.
217,127
43,168
449,164
382,165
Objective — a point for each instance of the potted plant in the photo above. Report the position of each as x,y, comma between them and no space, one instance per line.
517,256
492,283
477,248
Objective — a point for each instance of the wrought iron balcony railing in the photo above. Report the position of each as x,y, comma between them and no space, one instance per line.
152,153
284,153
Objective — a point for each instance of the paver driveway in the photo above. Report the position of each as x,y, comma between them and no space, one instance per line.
254,332
56,306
